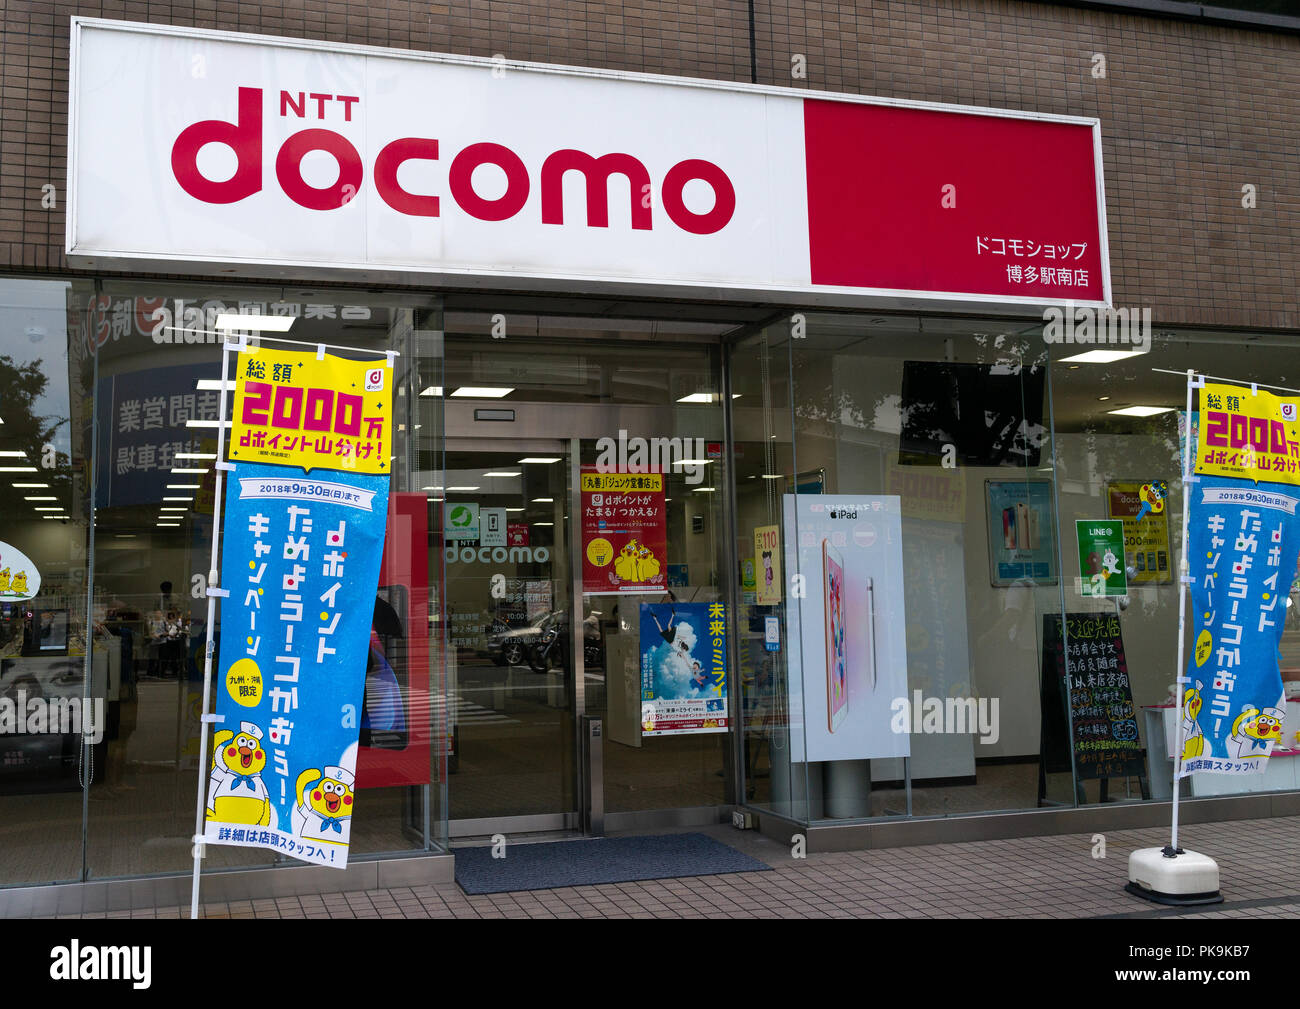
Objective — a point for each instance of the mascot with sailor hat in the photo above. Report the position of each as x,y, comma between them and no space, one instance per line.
236,793
324,811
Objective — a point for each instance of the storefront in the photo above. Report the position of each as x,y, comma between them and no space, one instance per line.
838,601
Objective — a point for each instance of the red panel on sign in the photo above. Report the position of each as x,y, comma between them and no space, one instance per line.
1022,220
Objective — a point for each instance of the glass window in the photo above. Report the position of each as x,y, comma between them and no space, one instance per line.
904,465
52,683
156,403
1106,456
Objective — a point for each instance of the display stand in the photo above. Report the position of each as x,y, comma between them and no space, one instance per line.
213,591
1170,875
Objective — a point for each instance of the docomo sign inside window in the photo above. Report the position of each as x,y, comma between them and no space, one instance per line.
244,137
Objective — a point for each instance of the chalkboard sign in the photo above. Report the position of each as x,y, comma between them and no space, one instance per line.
1100,698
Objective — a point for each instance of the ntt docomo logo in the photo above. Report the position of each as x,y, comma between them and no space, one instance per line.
244,137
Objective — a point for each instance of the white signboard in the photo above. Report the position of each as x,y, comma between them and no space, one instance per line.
259,155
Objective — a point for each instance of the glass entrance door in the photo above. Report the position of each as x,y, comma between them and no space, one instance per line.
534,646
510,682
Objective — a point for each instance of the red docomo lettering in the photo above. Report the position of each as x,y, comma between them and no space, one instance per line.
244,137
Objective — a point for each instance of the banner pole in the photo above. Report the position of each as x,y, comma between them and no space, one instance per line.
1183,590
213,592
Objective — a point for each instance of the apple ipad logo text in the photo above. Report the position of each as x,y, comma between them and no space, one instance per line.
955,715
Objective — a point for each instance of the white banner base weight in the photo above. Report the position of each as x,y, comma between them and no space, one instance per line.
1178,878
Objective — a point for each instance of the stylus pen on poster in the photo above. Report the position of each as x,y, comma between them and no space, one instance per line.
1235,381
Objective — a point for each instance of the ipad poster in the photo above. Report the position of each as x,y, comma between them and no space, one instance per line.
848,654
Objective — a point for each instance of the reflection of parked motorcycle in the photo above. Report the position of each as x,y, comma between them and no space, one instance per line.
547,651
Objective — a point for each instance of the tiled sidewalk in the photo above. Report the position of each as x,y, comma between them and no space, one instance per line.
1049,877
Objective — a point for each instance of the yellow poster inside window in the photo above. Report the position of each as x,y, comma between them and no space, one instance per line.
1248,435
293,409
1143,507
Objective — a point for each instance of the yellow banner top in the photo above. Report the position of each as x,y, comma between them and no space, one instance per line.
1248,435
622,483
294,410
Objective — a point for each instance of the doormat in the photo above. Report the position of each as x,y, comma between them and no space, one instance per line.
597,860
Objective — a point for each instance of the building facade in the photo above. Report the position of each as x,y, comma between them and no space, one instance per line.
961,437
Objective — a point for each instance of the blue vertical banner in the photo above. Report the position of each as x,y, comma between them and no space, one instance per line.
300,558
1242,545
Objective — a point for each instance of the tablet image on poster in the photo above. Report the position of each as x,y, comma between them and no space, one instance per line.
851,659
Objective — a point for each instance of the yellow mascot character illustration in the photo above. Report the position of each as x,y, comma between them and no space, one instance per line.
647,564
1254,731
325,812
19,584
1193,736
4,579
236,793
625,564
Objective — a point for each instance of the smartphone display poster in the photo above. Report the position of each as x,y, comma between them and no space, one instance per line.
1101,557
624,533
1140,505
848,649
767,557
683,668
1020,532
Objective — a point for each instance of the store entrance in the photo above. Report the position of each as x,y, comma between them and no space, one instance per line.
510,674
535,651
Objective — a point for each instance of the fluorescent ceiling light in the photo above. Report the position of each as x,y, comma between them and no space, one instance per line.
482,391
433,390
171,508
13,454
773,476
431,488
213,385
50,498
692,462
543,523
207,423
1102,356
55,517
195,455
494,473
516,509
540,458
706,397
27,486
169,525
461,488
1141,411
178,469
17,469
190,498
255,323
50,508
543,500
184,486
703,490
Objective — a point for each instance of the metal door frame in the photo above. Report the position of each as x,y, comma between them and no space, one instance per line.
564,819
